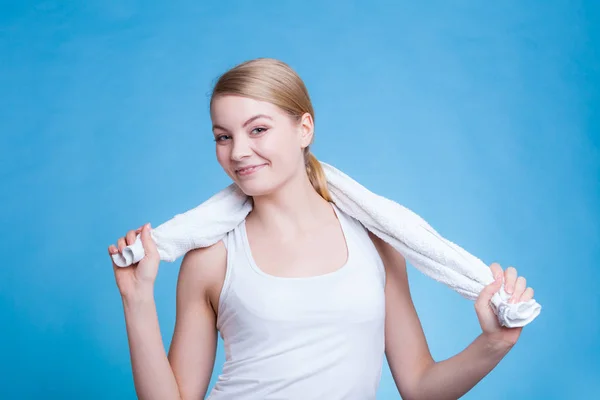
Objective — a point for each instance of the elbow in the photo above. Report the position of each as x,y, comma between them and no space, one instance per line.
411,394
415,387
416,395
409,391
408,395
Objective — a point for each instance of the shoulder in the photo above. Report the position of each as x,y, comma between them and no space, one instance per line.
392,258
208,258
202,272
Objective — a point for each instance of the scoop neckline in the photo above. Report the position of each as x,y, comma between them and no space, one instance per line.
341,270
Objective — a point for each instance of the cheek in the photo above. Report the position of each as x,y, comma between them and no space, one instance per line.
278,149
222,154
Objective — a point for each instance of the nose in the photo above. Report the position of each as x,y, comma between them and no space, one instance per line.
240,149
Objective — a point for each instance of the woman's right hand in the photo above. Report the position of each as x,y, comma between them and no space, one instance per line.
139,277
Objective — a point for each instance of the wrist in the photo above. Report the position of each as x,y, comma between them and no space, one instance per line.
140,296
496,345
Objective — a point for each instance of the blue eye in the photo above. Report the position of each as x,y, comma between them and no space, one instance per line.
220,138
259,129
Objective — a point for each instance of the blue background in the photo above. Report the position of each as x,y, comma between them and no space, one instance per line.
481,117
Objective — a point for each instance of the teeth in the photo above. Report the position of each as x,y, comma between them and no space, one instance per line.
248,169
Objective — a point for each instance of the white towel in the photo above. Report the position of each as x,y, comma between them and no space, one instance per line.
407,232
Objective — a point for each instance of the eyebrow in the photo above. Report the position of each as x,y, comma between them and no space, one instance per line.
245,123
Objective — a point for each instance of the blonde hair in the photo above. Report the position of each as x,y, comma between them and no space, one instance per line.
273,81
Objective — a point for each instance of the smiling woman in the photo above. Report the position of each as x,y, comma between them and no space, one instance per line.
269,85
307,300
269,138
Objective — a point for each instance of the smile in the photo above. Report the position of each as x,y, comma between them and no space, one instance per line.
249,170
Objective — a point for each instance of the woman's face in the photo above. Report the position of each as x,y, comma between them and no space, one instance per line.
258,145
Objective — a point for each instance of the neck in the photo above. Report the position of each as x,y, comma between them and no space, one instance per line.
292,209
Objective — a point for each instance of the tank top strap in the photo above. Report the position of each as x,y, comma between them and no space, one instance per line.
231,246
358,234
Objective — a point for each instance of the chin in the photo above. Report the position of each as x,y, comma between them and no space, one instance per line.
255,187
253,191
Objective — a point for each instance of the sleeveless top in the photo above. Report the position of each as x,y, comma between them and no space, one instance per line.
318,337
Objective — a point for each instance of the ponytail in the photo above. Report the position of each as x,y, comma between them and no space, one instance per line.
316,175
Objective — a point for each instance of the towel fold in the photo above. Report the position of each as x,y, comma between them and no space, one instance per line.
403,229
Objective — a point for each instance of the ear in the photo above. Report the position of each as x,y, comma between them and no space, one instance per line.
307,128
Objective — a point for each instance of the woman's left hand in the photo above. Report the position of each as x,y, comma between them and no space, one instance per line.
514,285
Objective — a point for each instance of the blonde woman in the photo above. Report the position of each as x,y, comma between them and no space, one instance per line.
307,301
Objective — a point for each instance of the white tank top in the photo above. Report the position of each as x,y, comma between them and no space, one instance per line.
318,337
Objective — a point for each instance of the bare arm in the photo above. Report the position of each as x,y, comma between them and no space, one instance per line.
452,378
152,375
186,371
405,345
192,352
416,374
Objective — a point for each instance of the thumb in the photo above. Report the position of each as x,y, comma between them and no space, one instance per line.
488,292
147,241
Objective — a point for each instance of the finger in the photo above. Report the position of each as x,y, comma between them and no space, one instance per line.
527,294
121,244
488,292
520,287
112,249
496,269
130,237
147,242
510,278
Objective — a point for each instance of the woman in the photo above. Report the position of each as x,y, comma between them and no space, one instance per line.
306,299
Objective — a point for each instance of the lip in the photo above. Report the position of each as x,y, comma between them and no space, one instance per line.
249,169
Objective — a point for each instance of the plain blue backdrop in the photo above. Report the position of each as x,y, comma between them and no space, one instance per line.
481,117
